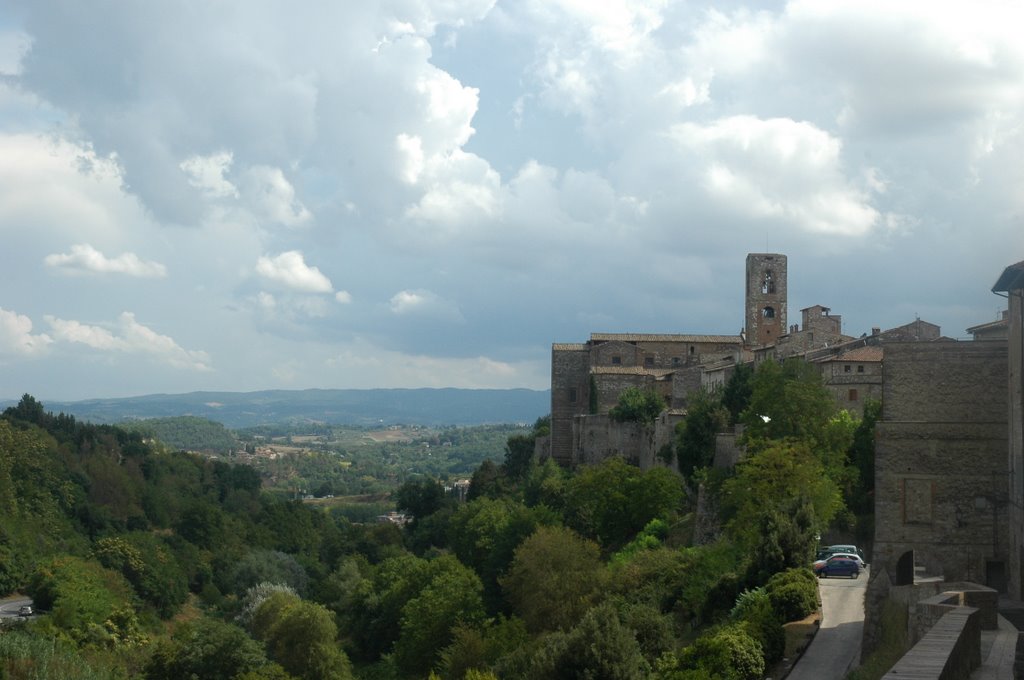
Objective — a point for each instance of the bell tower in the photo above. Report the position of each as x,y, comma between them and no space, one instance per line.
765,298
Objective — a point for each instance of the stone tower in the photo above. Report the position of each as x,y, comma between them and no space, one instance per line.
765,298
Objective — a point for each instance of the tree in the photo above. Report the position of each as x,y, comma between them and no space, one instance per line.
696,435
420,497
519,456
205,648
268,566
788,401
613,501
862,457
637,406
301,636
553,578
451,598
81,595
598,647
780,479
737,391
149,565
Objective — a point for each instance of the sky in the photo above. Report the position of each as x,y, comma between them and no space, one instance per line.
246,194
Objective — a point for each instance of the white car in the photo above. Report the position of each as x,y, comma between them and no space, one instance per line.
849,556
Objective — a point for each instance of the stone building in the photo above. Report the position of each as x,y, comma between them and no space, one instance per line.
941,462
853,376
1011,284
993,330
587,378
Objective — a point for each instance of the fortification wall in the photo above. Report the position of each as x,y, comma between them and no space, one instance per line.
570,396
941,461
598,437
1015,319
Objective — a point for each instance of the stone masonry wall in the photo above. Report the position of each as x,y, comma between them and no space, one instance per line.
1015,320
570,377
941,460
598,437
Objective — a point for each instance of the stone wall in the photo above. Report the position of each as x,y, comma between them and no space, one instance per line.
570,395
941,461
1015,319
598,437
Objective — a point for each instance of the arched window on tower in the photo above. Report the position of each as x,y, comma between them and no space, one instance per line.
768,285
768,312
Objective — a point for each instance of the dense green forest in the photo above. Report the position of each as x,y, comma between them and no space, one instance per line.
149,563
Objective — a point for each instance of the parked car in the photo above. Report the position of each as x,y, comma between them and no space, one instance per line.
846,549
838,566
25,610
850,556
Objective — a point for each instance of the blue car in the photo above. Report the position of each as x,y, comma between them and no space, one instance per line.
837,566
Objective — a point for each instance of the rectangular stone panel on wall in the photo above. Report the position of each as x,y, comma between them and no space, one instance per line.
918,500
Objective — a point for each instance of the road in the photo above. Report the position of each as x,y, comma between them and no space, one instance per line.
9,606
836,647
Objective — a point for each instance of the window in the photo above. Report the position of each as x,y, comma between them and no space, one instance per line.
676,361
572,395
691,350
768,284
648,362
860,368
768,312
616,360
853,395
846,368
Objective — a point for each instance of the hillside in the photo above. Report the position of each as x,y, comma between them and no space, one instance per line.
447,406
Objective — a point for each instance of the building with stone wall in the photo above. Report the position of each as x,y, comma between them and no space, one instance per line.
587,378
1011,284
941,462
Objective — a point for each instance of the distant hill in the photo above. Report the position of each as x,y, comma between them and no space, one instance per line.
447,406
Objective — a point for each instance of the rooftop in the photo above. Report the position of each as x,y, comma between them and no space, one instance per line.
664,337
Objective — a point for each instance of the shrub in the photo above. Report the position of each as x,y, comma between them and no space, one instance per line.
793,601
729,652
754,610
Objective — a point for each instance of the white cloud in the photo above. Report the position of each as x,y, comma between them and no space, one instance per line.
266,300
84,258
207,174
273,197
16,335
131,337
423,303
343,297
13,46
290,270
778,168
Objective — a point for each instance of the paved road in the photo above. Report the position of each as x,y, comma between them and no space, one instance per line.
9,606
836,647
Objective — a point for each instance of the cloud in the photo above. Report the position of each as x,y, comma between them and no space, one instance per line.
13,46
778,168
343,297
290,270
131,337
16,335
84,258
423,303
273,197
207,174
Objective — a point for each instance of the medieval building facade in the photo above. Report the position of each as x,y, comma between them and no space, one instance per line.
587,378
